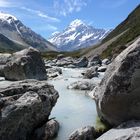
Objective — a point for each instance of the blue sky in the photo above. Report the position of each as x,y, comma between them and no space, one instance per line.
48,16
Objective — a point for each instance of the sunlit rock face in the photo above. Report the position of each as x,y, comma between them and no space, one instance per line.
25,106
25,64
117,96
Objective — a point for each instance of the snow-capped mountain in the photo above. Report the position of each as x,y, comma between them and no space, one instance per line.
77,35
16,31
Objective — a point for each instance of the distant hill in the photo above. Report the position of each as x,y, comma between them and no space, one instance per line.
13,30
123,35
78,35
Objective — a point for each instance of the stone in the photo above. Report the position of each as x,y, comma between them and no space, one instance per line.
102,68
24,106
25,64
83,62
117,96
106,61
85,133
54,72
95,60
82,85
60,56
2,70
4,57
64,62
90,73
126,131
47,131
71,66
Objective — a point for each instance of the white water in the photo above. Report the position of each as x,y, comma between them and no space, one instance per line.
74,109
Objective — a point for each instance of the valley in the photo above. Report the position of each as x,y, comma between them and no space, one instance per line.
82,83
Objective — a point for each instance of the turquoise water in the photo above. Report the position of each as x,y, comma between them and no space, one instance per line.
74,109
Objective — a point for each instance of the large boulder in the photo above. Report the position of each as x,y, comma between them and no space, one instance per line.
90,73
118,95
4,57
2,70
25,106
26,64
126,131
64,61
54,72
83,62
84,133
82,85
95,60
47,131
60,56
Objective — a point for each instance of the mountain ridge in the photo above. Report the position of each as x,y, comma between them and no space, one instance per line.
16,31
77,35
120,38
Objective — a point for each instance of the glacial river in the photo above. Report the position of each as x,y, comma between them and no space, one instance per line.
74,109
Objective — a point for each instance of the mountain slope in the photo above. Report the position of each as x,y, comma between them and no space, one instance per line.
124,34
6,45
16,31
78,35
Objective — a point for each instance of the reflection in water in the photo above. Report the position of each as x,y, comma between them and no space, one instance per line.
73,109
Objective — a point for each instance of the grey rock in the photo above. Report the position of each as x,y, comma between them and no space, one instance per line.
95,61
64,62
82,85
90,73
83,62
71,66
25,105
126,131
48,66
54,72
117,96
102,68
26,64
60,56
85,133
49,63
47,131
106,61
2,70
4,58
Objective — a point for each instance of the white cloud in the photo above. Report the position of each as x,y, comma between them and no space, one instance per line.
4,3
41,14
65,7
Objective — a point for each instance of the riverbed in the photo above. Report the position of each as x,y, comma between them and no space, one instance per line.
74,108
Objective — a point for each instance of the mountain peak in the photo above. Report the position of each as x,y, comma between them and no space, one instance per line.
7,16
17,32
78,35
77,22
